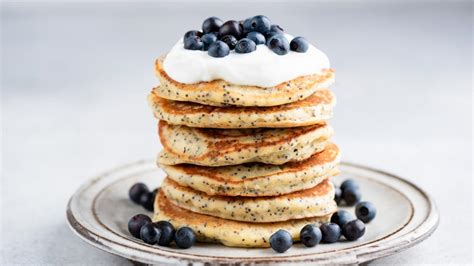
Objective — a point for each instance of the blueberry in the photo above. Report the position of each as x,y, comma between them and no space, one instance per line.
281,241
331,232
247,26
192,33
349,183
230,40
150,234
353,230
245,46
279,44
193,43
256,37
310,235
185,237
299,44
208,39
136,222
341,217
136,192
260,23
167,233
231,27
218,49
276,28
147,200
365,211
211,24
155,191
351,196
270,34
337,195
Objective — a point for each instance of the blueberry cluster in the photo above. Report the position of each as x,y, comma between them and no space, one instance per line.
219,38
342,222
162,233
140,194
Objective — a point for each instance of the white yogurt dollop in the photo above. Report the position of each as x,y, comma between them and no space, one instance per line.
261,67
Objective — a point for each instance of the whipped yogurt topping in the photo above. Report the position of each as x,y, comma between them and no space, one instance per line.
262,67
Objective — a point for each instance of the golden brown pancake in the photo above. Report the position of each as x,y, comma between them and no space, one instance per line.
316,201
315,109
219,147
257,179
222,93
228,232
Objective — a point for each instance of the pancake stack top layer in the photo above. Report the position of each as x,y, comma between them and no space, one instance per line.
242,160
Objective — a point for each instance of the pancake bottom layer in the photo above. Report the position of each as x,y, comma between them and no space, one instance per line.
228,232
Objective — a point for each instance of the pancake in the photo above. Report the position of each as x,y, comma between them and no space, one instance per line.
219,147
256,179
315,109
316,201
222,93
228,232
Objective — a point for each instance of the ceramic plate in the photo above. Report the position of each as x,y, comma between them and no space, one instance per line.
99,211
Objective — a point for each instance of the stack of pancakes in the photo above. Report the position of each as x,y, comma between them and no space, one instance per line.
245,161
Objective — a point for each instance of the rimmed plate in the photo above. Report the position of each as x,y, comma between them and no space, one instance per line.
99,211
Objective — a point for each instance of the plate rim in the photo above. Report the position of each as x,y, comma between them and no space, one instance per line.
411,238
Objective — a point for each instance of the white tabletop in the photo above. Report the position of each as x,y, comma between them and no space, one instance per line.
75,78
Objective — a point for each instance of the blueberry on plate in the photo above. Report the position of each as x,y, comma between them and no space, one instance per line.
211,24
136,191
245,46
207,40
192,33
276,28
155,191
281,241
136,222
231,27
299,44
331,232
218,49
279,44
147,200
256,37
337,195
193,43
167,233
341,217
310,235
230,40
351,195
184,237
365,211
349,183
260,23
150,234
353,230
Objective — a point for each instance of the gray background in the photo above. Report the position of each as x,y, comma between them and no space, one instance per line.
75,77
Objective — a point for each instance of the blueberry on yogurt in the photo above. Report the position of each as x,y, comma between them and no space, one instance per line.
299,44
279,44
193,43
211,24
245,46
218,49
256,37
